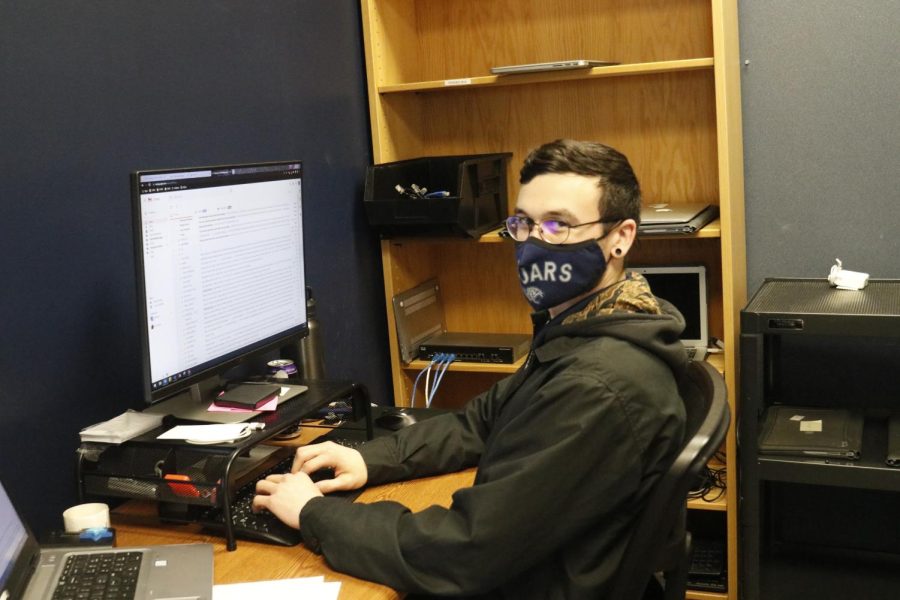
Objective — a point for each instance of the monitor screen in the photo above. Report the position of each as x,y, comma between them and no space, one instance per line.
14,547
220,268
685,287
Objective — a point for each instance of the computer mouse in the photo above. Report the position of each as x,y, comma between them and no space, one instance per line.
395,419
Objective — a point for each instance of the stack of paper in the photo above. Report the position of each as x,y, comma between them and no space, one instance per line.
308,588
122,428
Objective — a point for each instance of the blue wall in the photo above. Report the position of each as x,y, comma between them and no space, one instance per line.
92,90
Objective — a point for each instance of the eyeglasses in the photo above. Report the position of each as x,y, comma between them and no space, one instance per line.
553,231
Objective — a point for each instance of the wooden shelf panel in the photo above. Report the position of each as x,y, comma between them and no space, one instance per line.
493,286
718,505
718,361
442,85
470,367
664,123
423,40
698,595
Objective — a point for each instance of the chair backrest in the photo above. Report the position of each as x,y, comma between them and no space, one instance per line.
659,534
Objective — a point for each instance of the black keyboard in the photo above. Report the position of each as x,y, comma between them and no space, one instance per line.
343,441
707,558
695,353
100,575
707,569
264,526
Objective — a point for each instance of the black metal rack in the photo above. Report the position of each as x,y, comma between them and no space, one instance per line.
806,343
179,475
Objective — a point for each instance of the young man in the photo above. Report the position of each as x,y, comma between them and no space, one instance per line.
567,448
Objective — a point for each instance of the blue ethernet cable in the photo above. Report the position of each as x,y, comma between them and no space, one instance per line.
412,400
430,390
439,376
434,359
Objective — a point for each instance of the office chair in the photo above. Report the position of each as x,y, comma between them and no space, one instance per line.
661,542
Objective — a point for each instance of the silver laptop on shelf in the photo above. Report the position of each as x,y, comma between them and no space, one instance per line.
178,571
554,65
675,219
685,287
665,213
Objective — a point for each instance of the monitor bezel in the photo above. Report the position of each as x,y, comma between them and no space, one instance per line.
228,361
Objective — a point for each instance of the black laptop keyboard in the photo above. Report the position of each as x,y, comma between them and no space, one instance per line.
100,576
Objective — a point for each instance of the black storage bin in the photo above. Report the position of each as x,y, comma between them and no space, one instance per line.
138,471
477,202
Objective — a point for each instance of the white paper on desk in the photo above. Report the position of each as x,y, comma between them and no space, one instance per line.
205,433
308,588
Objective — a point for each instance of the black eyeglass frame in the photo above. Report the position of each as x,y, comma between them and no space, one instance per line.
531,224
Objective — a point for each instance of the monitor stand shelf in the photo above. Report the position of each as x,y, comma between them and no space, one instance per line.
185,478
189,405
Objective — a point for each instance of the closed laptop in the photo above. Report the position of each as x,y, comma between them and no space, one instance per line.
664,213
675,219
805,431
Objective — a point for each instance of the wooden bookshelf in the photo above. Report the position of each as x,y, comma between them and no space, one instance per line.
672,105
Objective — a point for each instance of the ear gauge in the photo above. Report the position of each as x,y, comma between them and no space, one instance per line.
617,252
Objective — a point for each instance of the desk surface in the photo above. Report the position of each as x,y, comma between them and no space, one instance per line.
136,525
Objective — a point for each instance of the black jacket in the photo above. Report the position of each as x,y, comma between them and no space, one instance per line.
566,449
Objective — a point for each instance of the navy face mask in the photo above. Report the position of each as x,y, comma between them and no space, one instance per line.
550,274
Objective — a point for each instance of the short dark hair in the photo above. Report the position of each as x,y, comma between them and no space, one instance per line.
621,194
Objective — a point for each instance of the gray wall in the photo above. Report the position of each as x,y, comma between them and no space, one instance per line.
91,90
821,136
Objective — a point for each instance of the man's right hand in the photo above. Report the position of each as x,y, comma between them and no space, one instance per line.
350,470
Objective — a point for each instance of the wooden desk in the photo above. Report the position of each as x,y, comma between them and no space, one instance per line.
136,525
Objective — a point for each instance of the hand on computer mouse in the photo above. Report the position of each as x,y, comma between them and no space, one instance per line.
350,470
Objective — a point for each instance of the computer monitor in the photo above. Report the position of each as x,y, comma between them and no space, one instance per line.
220,272
685,287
